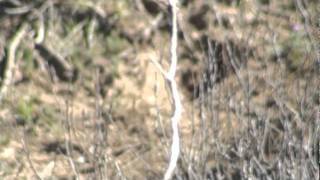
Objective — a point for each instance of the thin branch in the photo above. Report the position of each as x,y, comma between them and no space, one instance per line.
68,145
175,146
170,77
159,67
10,57
174,40
27,153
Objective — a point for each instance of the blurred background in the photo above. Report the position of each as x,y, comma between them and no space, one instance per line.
80,98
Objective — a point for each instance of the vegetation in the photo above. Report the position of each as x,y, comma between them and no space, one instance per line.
84,92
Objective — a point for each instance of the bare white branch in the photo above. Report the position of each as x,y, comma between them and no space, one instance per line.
175,146
170,77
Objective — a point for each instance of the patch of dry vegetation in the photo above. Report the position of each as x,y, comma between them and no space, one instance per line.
86,102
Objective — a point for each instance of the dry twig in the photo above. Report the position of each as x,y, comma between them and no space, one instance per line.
9,60
170,77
